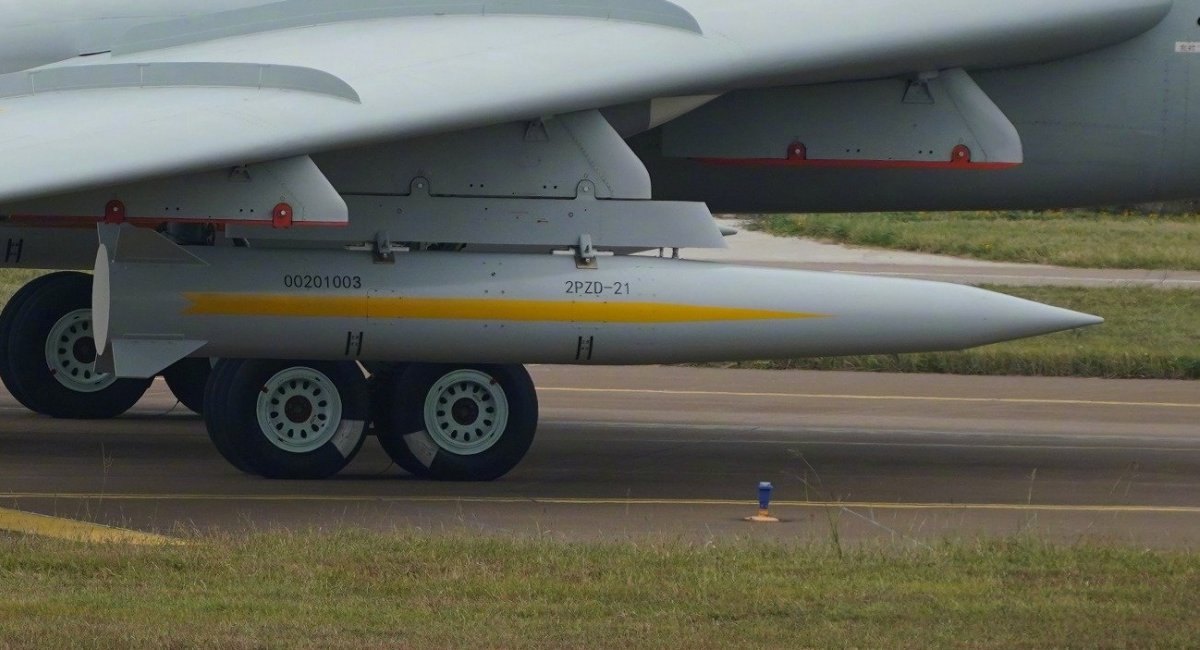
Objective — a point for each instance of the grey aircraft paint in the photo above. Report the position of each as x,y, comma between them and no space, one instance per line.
1118,125
407,139
529,66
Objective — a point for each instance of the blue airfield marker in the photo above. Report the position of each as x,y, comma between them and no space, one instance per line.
764,505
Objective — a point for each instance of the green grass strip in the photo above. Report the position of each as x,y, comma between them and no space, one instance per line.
362,590
1149,334
13,279
1086,239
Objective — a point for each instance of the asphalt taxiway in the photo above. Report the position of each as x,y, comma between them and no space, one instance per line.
677,453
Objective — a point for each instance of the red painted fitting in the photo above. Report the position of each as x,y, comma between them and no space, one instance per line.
282,216
961,155
114,212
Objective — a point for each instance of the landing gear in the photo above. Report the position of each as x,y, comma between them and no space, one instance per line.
278,419
382,376
460,422
70,353
187,378
307,420
285,419
47,352
6,322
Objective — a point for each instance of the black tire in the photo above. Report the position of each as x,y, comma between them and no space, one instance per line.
383,385
214,400
379,383
31,372
232,416
6,320
409,441
187,379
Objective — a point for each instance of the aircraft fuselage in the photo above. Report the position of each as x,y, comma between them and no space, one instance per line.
1110,126
1114,126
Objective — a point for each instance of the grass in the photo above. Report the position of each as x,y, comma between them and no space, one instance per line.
1149,334
1065,238
13,279
364,590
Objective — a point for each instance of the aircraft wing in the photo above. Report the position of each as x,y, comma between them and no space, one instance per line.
302,76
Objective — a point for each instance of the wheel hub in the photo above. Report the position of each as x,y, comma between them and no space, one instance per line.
71,354
85,350
466,412
299,410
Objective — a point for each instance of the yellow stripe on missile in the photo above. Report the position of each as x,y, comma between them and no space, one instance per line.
489,309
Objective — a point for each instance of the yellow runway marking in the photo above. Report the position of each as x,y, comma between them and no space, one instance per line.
874,398
28,523
583,501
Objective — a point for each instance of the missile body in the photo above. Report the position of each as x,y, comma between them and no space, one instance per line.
525,308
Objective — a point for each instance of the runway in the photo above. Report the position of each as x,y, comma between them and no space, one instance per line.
676,453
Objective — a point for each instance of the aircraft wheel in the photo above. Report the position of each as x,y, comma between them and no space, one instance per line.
287,419
52,353
461,423
7,316
383,409
222,438
382,378
187,379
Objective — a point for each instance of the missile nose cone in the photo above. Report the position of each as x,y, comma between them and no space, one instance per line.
1025,318
956,317
1086,320
1057,319
1048,319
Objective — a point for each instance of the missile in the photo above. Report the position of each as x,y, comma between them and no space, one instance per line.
156,302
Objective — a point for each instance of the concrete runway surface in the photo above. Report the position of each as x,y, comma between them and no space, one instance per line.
676,453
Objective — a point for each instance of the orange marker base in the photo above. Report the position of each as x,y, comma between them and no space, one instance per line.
763,517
